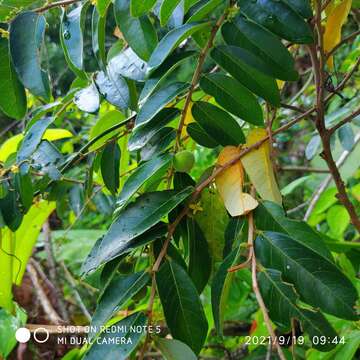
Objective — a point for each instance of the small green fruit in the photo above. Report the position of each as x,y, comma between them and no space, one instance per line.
184,161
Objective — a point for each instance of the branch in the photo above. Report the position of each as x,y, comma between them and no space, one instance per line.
258,294
196,76
323,186
44,301
344,81
345,121
325,134
55,4
292,107
54,278
303,169
342,42
73,286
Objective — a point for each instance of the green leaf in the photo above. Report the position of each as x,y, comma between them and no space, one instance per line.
141,175
202,8
218,124
158,101
12,93
310,273
120,289
144,132
107,345
102,6
9,323
138,32
164,71
110,119
10,211
87,99
92,261
171,41
26,37
27,234
290,188
141,7
71,38
348,350
346,137
48,159
327,199
229,58
166,9
338,220
213,220
110,166
128,64
241,102
114,88
198,134
200,264
6,271
269,216
32,139
312,147
246,34
98,25
24,188
183,311
279,18
158,143
281,301
220,288
134,220
174,349
303,7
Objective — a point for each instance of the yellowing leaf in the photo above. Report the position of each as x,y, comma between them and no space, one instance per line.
10,146
258,166
188,119
230,182
280,83
337,16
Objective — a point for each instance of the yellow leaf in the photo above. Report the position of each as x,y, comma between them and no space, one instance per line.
280,83
10,146
188,119
336,18
258,166
230,182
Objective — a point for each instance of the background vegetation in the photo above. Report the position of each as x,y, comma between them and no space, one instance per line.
188,164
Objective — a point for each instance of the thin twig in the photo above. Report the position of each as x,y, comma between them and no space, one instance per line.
303,169
323,186
73,286
196,77
292,107
9,127
44,301
55,4
297,208
51,264
344,81
342,42
258,296
345,121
